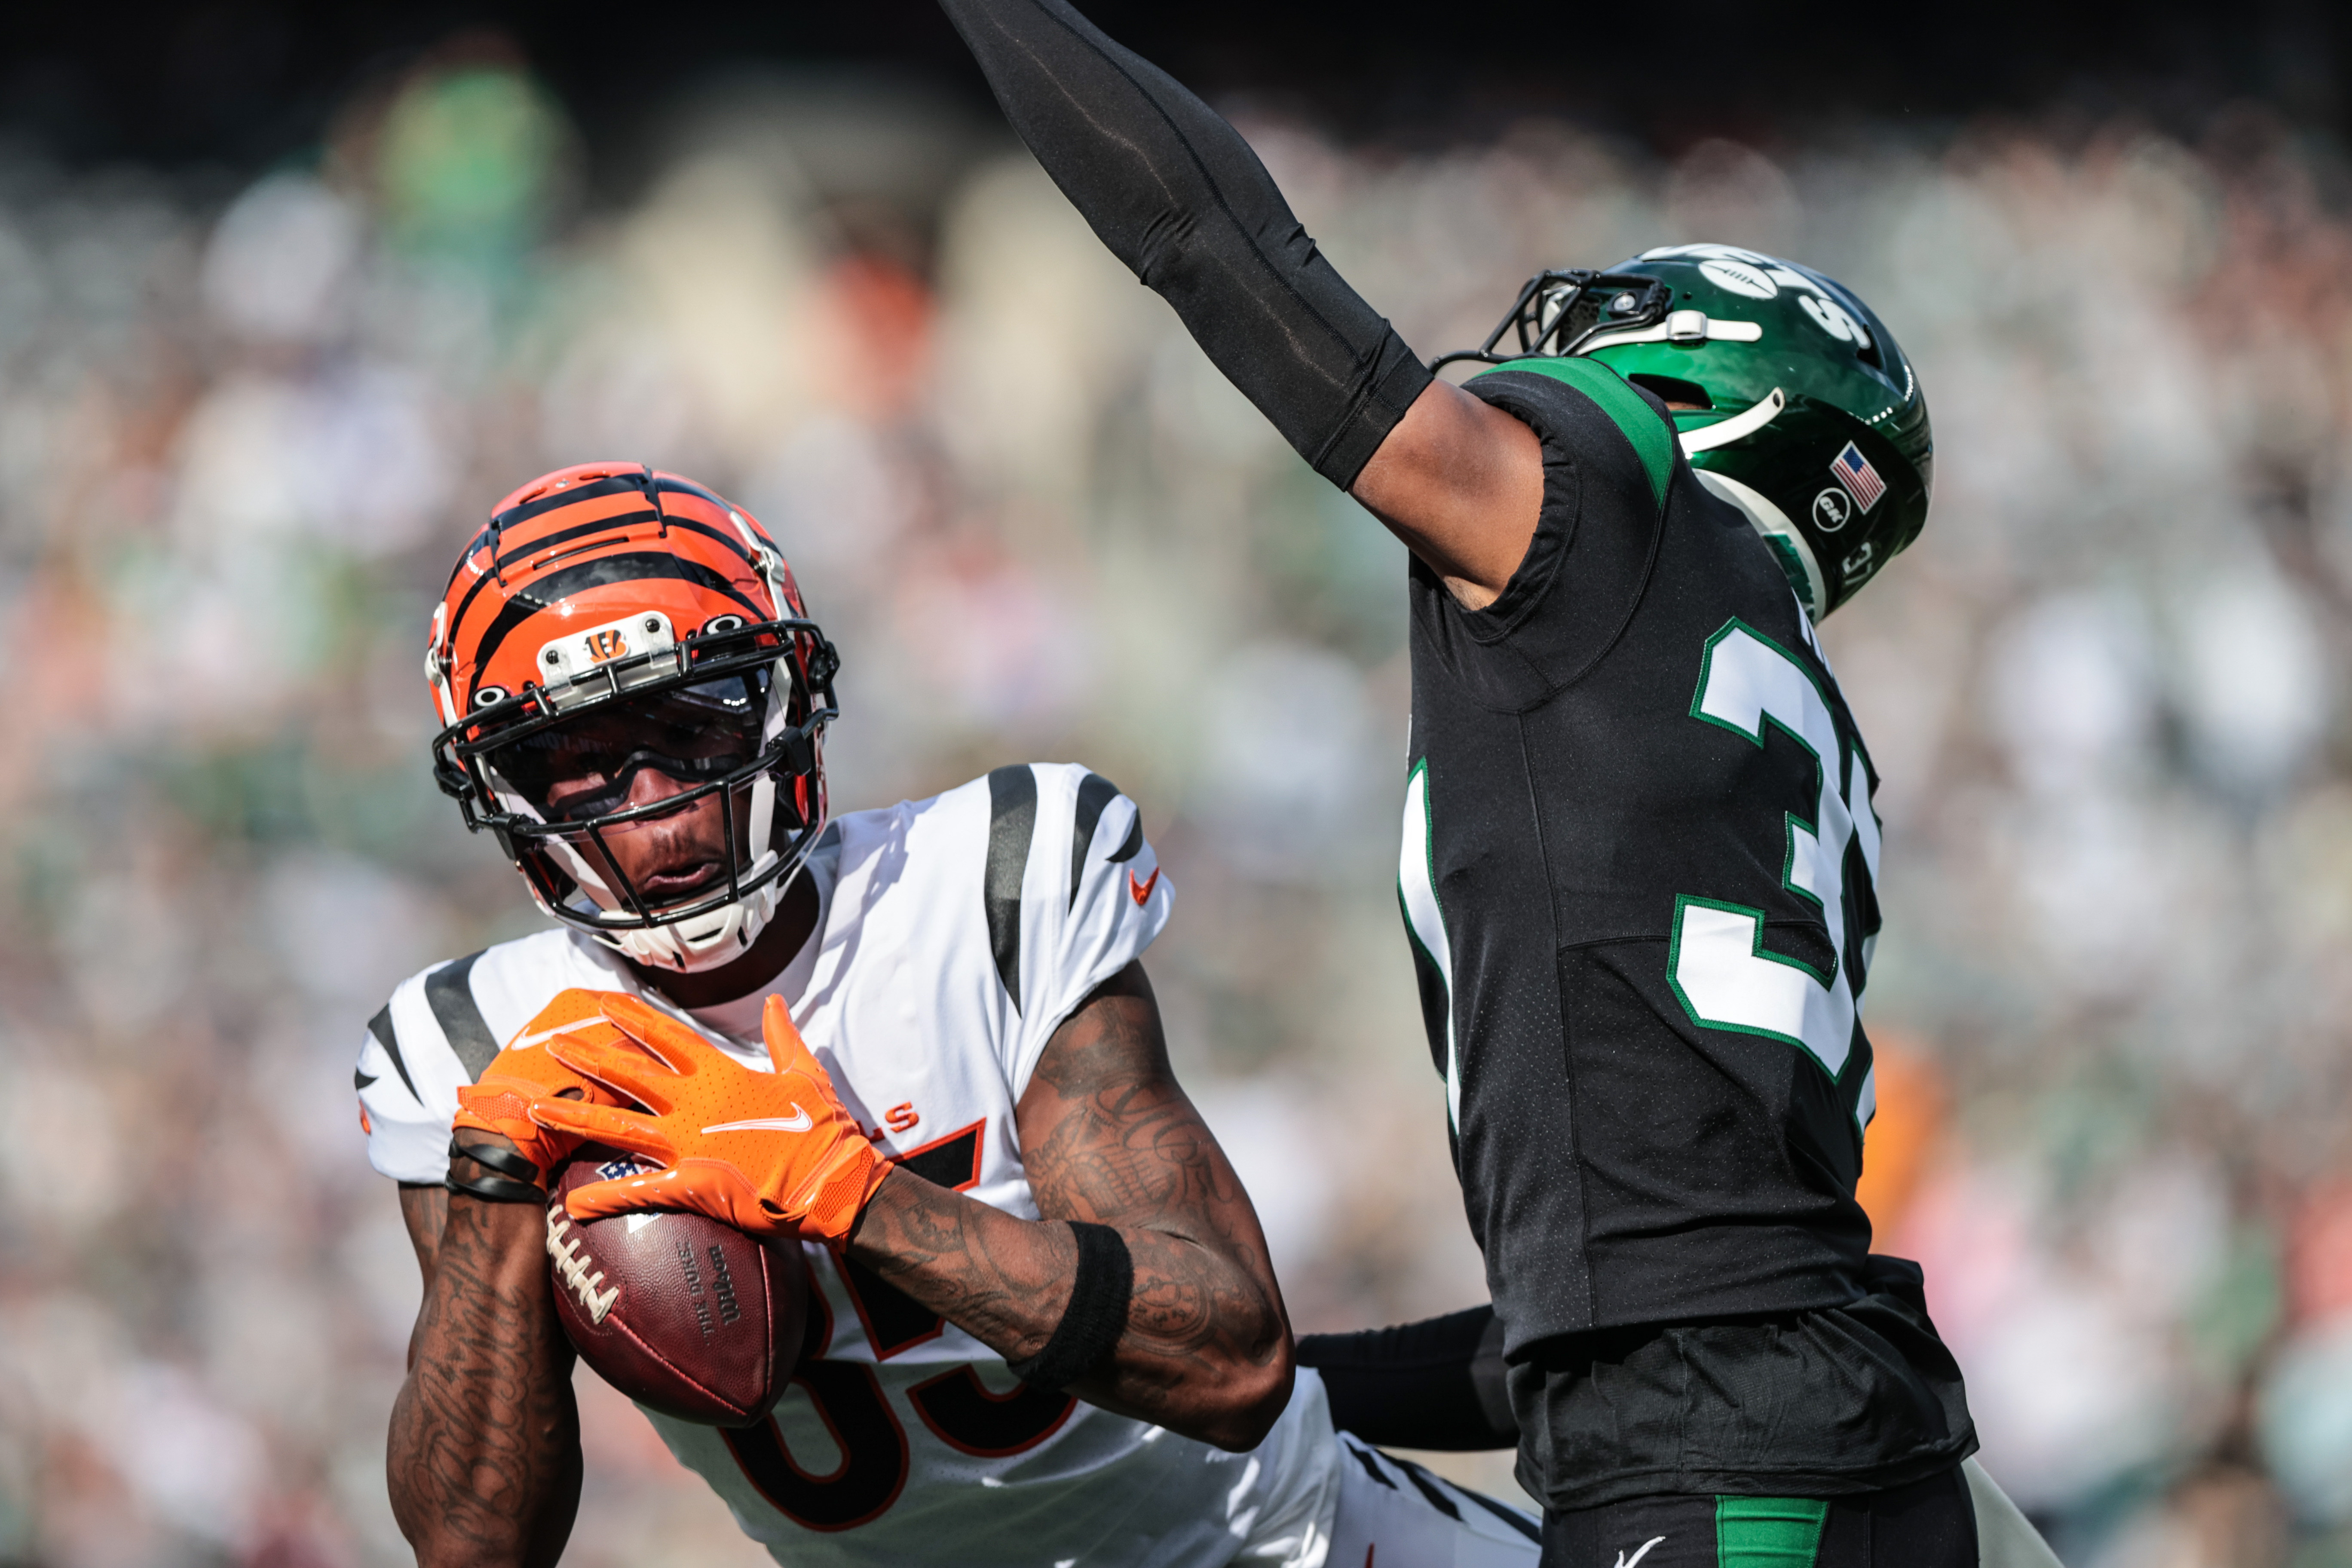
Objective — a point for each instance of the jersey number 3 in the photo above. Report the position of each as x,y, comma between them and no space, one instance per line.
1719,965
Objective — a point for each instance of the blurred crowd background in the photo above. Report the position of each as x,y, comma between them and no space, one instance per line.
246,416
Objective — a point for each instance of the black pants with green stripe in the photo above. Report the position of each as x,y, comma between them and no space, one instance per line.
1928,1524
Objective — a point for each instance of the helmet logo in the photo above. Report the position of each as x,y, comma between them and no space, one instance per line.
1835,320
1852,470
567,659
1739,276
1831,510
1761,277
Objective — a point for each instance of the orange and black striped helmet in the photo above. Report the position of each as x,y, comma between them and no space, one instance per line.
613,619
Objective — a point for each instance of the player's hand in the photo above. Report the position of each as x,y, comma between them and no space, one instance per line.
499,1101
769,1153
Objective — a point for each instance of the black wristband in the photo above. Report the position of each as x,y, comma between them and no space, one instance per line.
489,1156
497,1189
1096,1315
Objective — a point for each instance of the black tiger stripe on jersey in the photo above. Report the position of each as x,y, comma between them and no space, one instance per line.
1132,847
1011,824
1509,1516
1095,793
449,992
389,1038
1427,1488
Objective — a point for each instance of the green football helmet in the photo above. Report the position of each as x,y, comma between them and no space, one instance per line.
1792,400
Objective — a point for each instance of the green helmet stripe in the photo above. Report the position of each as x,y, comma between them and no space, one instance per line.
1652,435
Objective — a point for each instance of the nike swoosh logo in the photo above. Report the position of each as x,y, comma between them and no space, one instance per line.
801,1122
1625,1562
1140,888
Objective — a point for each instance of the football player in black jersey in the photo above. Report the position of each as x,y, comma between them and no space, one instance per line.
1640,856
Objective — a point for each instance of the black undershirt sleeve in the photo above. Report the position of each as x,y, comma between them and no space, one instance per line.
1437,1384
1178,195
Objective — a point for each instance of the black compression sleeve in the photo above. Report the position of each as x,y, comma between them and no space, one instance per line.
1178,195
1437,1384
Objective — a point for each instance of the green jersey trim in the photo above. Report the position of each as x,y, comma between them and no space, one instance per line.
1653,437
1769,1532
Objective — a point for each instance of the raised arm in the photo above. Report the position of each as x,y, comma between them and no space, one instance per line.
1181,198
484,1457
1110,1139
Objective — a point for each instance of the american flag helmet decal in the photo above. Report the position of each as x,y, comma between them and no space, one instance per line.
1854,472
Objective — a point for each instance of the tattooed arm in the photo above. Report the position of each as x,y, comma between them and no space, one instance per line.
1109,1137
485,1450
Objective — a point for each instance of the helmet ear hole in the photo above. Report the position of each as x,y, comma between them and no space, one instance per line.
1674,391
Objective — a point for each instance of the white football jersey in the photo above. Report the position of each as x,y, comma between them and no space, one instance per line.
956,933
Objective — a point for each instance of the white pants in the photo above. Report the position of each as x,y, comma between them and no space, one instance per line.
1394,1514
2005,1538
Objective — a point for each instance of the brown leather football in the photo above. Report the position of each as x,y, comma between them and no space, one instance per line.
688,1316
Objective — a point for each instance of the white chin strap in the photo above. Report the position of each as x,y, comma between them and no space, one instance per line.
707,941
1763,516
1739,428
1773,523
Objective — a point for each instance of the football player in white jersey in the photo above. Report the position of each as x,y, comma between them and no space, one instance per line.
1043,1327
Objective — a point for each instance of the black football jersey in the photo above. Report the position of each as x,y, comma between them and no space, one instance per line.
1638,873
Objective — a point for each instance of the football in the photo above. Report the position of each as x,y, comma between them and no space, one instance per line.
684,1315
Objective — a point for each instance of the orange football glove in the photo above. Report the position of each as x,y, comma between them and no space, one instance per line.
769,1153
499,1101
